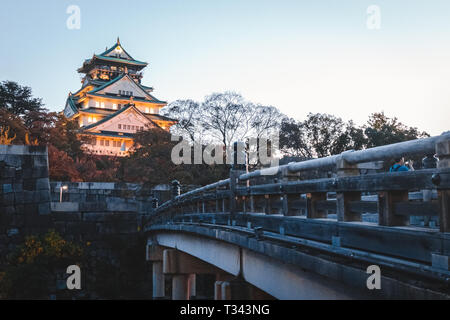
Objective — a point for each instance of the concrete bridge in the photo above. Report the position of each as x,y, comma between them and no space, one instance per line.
291,238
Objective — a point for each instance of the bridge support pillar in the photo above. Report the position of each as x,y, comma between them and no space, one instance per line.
192,285
155,255
218,290
158,280
225,291
180,287
183,269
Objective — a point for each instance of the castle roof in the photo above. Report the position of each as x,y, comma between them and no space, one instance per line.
115,54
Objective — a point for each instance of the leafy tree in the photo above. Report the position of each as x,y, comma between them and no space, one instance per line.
352,138
150,162
34,265
293,141
14,124
18,99
5,137
61,166
322,132
319,135
64,136
381,130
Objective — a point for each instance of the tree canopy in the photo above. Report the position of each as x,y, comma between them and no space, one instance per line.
321,135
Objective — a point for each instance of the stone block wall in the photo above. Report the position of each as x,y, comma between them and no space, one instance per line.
97,191
102,196
103,217
24,191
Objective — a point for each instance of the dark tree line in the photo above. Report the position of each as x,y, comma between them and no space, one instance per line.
321,135
221,118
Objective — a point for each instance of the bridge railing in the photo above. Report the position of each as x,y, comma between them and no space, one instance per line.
291,196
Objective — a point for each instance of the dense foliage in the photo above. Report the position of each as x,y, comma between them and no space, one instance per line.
36,269
34,266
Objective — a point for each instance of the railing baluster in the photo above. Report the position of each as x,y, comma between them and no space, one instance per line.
386,208
312,211
343,199
288,199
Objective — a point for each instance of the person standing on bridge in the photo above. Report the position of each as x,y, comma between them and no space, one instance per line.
400,165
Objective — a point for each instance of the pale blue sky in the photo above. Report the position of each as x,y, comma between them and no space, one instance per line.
300,56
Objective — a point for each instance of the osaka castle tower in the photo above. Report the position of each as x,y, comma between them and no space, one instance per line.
112,104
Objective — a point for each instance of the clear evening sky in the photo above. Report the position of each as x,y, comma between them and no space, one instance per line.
300,56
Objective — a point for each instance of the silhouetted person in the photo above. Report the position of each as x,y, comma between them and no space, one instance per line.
399,165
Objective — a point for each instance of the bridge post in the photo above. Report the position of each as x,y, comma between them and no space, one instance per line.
244,204
289,204
217,201
224,205
259,201
239,204
176,191
274,201
443,153
267,207
234,175
238,165
289,200
386,208
343,199
252,203
312,210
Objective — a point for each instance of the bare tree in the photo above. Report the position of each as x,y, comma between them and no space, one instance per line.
187,112
227,117
223,118
266,120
